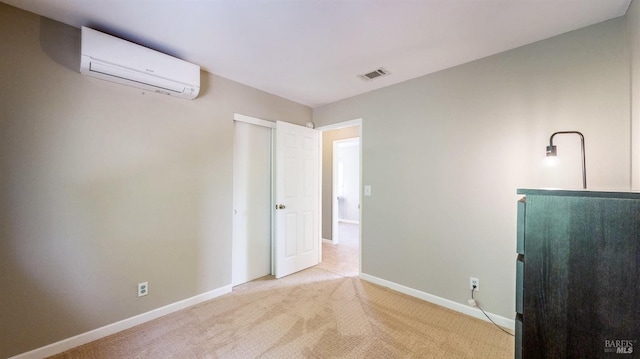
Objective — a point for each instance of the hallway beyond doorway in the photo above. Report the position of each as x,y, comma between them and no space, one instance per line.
343,258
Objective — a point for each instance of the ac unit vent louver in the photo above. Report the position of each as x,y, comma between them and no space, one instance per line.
120,61
374,74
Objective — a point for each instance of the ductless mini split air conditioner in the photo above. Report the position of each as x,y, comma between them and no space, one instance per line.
110,58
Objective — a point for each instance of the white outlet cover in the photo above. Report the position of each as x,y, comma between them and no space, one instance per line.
367,190
143,289
475,281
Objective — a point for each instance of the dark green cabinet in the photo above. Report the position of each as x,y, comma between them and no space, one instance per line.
578,274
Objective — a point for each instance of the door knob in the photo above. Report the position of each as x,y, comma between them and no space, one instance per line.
280,206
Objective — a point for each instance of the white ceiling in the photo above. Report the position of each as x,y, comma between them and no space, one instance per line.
311,51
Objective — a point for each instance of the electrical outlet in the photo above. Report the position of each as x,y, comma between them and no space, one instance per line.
474,281
143,289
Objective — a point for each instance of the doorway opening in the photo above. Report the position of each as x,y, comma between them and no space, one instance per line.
341,178
254,234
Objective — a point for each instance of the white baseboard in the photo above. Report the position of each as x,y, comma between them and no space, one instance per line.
84,338
324,240
462,308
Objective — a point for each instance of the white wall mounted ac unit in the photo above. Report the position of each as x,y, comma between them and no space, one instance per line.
113,59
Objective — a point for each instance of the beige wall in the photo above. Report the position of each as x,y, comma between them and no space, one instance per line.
103,186
327,173
633,38
445,153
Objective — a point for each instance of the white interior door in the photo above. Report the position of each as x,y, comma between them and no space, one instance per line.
251,248
297,197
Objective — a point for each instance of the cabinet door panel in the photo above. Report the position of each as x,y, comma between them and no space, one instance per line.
581,272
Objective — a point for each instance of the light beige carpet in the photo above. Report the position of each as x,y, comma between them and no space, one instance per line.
316,313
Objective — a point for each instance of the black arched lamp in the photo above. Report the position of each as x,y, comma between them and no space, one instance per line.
552,152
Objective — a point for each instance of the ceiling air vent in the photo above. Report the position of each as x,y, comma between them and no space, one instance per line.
374,74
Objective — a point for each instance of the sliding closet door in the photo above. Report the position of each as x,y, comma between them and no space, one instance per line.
251,251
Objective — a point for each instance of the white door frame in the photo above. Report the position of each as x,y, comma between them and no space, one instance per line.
337,126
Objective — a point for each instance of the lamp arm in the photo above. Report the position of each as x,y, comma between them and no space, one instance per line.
584,164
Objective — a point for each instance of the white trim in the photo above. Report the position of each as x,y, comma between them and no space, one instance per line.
84,338
335,205
319,209
272,178
253,120
324,240
339,125
350,221
464,309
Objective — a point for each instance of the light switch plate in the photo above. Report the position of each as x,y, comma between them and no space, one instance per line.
367,190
